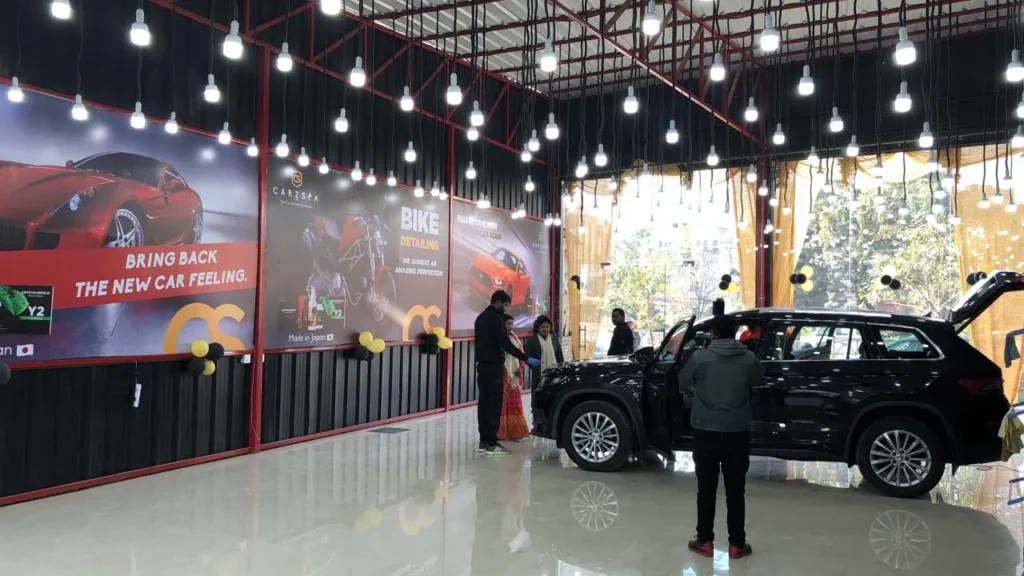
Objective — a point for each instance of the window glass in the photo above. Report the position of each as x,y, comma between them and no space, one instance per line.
670,351
130,166
816,342
749,336
905,344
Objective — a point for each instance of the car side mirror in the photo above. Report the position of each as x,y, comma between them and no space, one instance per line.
644,355
69,164
175,186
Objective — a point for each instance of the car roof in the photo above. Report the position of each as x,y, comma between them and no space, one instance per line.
837,314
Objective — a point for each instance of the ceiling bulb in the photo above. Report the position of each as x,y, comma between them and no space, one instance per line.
548,220
878,171
926,139
472,134
341,122
717,72
947,179
78,110
526,155
434,190
444,195
752,173
224,137
233,47
1018,137
139,33
770,38
773,201
530,186
357,76
1014,70
902,210
357,172
613,184
1011,207
534,142
954,220
211,93
786,210
551,130
548,58
600,159
853,149
410,153
303,157
418,190
932,164
476,117
806,85
470,171
171,126
14,93
762,190
406,103
581,167
60,9
138,119
813,159
284,59
1020,107
645,176
712,157
330,7
768,227
997,198
906,53
483,203
453,96
253,150
323,168
392,181
779,138
836,123
750,114
630,105
371,179
671,136
903,103
652,21
984,203
742,224
282,147
939,193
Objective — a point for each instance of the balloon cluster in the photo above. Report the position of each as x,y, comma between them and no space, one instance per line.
727,285
975,277
888,280
803,278
5,373
435,340
204,358
368,346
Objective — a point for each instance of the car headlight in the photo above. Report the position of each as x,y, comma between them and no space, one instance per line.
75,202
499,282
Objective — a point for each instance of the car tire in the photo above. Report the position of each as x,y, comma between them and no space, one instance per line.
612,431
892,454
125,229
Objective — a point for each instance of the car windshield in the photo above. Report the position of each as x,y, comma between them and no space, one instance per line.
506,258
130,166
673,342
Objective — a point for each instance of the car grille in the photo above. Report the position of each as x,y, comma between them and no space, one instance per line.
481,276
12,238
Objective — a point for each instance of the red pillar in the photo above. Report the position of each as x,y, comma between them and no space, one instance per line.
263,137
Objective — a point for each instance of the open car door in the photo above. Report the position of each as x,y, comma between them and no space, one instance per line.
982,295
661,391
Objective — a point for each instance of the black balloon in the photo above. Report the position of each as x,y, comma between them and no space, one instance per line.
575,278
792,278
216,352
981,276
723,285
895,284
431,340
726,278
430,349
5,373
195,366
801,278
360,353
972,279
886,279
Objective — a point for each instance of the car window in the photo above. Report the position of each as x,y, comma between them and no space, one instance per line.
130,166
522,268
809,342
170,175
904,344
673,343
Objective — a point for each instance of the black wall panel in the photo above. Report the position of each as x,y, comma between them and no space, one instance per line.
64,425
463,383
309,392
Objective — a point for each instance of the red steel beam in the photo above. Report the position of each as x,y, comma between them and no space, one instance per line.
277,20
730,45
501,95
389,61
430,78
465,92
337,43
429,9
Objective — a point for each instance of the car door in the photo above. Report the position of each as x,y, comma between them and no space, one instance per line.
982,295
179,206
662,403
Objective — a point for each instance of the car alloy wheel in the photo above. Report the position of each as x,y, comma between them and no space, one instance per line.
595,437
594,506
901,539
125,230
900,458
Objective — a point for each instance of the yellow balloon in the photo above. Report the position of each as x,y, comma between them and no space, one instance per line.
733,287
377,345
365,338
439,332
200,348
808,286
807,271
374,516
209,368
444,343
889,270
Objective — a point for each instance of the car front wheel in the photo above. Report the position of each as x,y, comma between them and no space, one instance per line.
901,457
598,436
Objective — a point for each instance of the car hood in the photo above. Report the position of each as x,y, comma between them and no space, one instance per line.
606,365
489,265
31,192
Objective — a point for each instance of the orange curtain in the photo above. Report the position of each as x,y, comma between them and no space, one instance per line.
744,199
585,250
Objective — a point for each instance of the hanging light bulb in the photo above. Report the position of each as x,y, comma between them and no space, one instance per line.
284,59
926,139
937,208
357,76
526,155
410,153
418,190
581,167
1011,207
947,179
630,105
752,173
453,96
341,122
750,114
878,171
779,138
406,103
224,137
171,126
78,110
853,149
600,159
932,164
742,224
806,85
762,190
529,186
303,157
14,93
470,171
60,9
613,184
902,210
1020,107
434,190
534,143
786,210
282,147
903,103
323,168
444,195
232,47
813,159
1018,137
476,117
548,58
483,203
551,130
392,181
997,198
770,38
211,93
712,157
939,193
836,124
652,20
768,227
984,203
371,179
330,7
138,119
717,72
253,150
954,219
906,53
472,134
671,135
1014,70
774,200
645,179
139,33
548,220
357,172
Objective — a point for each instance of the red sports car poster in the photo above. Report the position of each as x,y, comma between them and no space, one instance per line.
344,257
495,252
146,240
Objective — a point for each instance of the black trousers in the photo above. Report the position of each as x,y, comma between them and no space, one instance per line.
490,388
728,452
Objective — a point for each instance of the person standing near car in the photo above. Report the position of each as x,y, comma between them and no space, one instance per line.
720,378
622,336
636,333
492,344
543,344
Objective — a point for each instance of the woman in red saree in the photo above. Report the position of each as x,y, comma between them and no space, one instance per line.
513,419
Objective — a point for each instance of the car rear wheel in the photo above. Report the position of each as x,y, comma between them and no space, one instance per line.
125,230
901,457
598,436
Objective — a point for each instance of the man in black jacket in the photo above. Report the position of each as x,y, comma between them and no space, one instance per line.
492,344
622,336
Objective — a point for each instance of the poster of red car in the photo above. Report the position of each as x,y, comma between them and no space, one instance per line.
146,239
492,252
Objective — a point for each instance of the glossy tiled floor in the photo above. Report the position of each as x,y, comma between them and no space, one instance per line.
420,501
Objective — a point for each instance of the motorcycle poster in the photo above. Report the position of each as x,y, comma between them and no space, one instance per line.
344,257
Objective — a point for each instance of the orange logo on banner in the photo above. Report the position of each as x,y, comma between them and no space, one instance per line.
297,179
199,310
418,311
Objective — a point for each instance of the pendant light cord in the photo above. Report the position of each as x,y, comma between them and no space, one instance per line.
17,37
81,50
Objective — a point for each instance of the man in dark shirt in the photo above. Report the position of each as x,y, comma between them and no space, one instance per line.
622,336
492,343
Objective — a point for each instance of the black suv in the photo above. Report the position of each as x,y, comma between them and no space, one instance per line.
896,394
